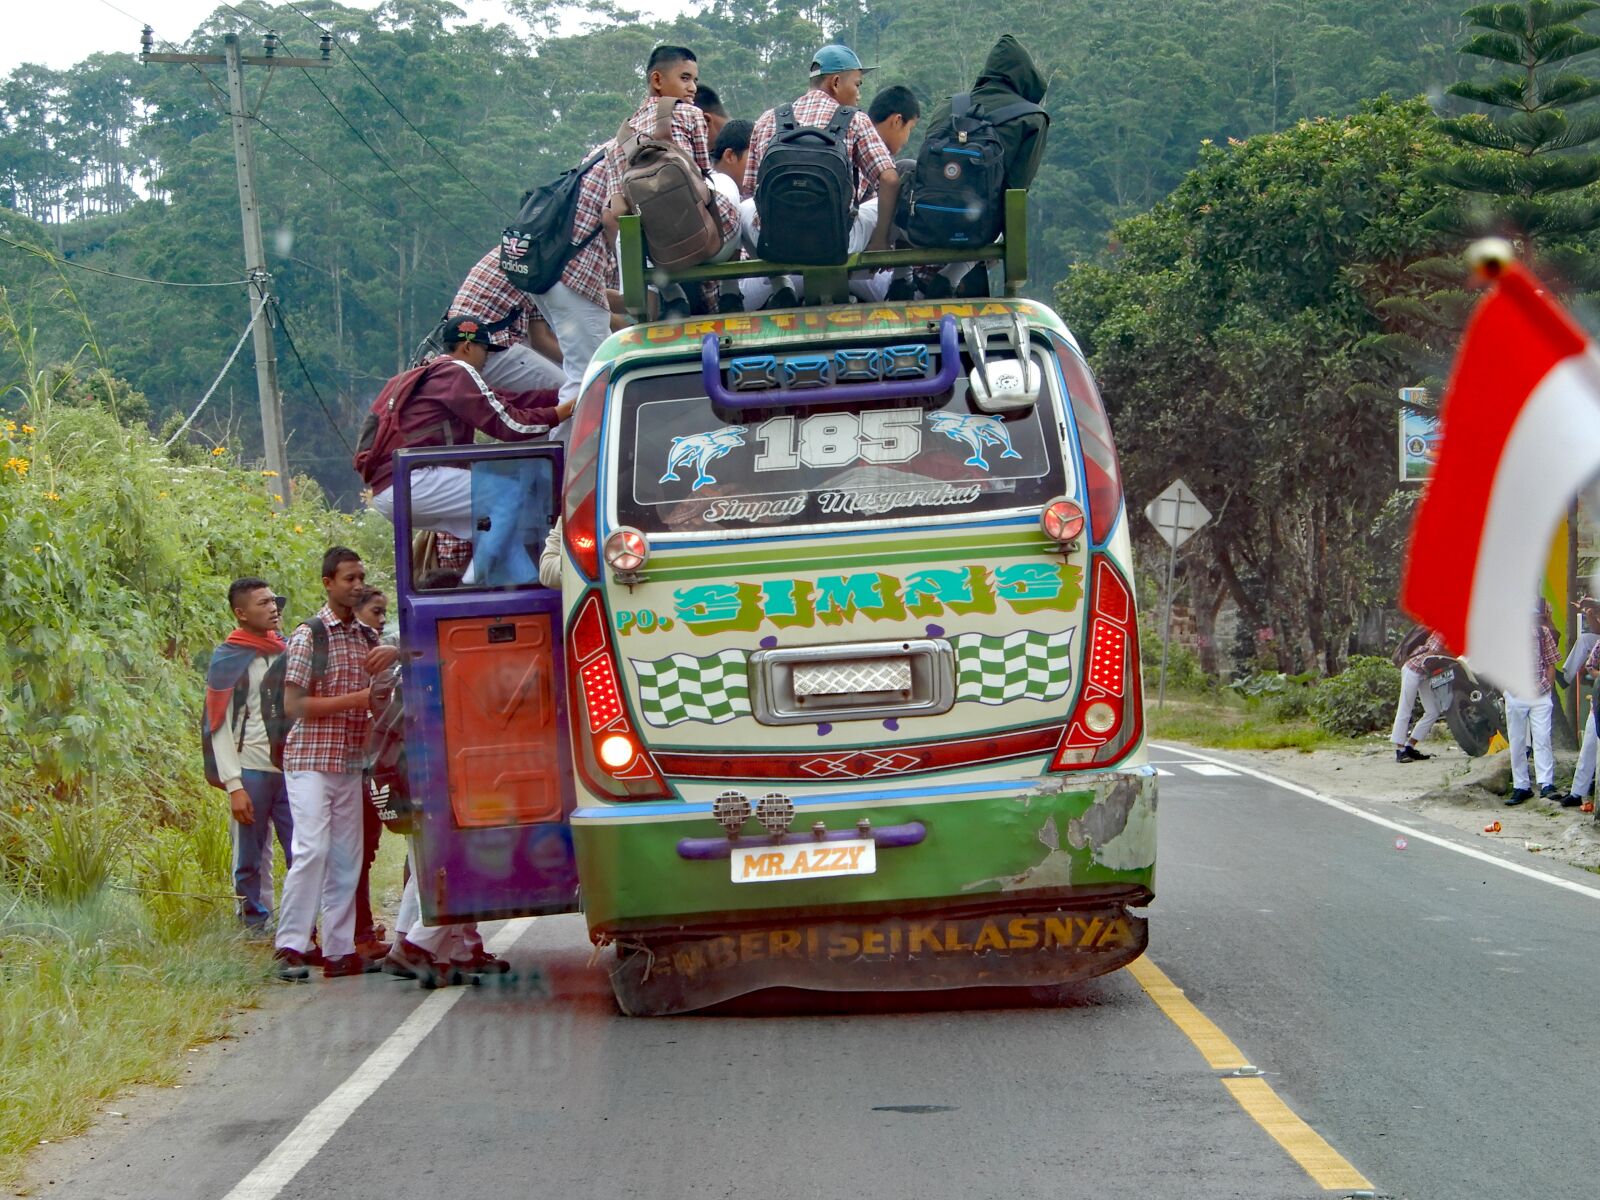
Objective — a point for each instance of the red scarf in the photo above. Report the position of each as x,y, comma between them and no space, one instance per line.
262,643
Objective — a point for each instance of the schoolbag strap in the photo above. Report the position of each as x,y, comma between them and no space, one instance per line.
1010,112
960,104
842,116
784,116
664,109
319,652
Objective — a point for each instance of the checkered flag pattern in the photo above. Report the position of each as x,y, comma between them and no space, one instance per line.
1019,666
685,688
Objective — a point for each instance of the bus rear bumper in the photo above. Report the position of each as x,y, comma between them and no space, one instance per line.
1018,942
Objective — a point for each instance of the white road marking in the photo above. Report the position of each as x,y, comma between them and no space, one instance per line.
1160,771
1570,885
1206,768
290,1156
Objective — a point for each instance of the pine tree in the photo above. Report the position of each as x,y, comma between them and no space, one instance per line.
1525,168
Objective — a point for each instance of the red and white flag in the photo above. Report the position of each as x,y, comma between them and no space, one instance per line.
1520,436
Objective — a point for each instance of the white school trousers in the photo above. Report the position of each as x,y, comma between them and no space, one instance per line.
326,806
1411,683
1521,715
580,326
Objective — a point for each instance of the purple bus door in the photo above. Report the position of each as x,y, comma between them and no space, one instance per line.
485,719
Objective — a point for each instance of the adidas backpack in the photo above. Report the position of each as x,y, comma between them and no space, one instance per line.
805,190
955,194
537,246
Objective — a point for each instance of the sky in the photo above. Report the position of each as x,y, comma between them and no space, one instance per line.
76,29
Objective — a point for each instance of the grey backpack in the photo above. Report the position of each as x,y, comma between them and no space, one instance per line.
663,184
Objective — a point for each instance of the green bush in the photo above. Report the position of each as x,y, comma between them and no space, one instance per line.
1360,700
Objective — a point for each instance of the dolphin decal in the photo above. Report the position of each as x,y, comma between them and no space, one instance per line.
702,449
977,431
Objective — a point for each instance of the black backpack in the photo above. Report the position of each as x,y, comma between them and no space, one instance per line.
537,246
956,194
273,713
805,189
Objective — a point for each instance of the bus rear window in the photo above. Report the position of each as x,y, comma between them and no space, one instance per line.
685,469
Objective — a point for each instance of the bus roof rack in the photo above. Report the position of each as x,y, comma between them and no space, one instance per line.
831,284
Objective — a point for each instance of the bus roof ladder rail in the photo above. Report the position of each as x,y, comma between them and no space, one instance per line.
828,284
873,392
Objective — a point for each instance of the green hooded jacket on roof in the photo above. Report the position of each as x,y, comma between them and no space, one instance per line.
1009,75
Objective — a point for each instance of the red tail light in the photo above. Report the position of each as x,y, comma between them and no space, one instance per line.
1102,475
583,463
1110,712
611,758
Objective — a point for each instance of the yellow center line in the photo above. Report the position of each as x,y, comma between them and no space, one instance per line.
1327,1167
1215,1046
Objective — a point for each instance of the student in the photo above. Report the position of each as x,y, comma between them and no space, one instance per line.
674,73
729,153
1533,714
449,402
1008,76
1581,665
322,772
530,358
241,749
1413,682
836,74
708,102
894,113
372,610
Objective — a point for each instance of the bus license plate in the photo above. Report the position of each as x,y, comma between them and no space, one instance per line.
757,864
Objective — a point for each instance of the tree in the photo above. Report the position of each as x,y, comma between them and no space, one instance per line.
1232,332
1524,168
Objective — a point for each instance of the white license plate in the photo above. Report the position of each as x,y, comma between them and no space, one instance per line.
803,860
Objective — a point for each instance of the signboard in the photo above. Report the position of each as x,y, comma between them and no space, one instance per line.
1419,437
1177,514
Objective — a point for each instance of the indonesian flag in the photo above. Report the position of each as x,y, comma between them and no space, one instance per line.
1520,436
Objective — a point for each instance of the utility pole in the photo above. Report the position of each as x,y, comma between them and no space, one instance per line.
255,254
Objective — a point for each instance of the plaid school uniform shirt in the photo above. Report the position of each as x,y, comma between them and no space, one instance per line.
868,154
487,294
336,742
1549,656
1434,645
690,134
594,268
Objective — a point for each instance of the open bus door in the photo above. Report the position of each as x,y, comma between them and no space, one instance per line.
487,751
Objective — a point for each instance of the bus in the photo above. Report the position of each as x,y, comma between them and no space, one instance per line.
841,688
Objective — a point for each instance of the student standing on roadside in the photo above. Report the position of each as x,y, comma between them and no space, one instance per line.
1533,714
240,750
331,658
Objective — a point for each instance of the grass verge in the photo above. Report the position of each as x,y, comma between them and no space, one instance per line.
92,1001
1229,722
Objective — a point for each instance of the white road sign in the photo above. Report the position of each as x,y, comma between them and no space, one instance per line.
1177,514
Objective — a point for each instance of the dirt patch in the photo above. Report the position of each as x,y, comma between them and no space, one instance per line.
1468,793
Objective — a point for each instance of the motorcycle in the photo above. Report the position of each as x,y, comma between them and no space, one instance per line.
1471,706
1475,710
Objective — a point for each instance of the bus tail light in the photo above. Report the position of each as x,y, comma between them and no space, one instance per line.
1102,476
583,472
611,758
1110,713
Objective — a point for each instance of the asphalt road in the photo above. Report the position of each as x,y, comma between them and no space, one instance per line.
1428,1014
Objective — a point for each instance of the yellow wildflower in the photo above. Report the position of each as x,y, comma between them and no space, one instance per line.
161,495
52,495
276,499
19,465
299,528
11,426
269,474
218,451
27,429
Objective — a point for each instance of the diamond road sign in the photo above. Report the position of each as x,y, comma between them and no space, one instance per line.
1177,514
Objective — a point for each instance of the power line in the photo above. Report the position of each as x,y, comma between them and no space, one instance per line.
372,83
41,252
211,83
238,346
361,196
378,154
283,323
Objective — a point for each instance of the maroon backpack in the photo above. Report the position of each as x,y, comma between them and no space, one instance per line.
380,432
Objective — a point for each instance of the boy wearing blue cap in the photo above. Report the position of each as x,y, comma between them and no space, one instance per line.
836,75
